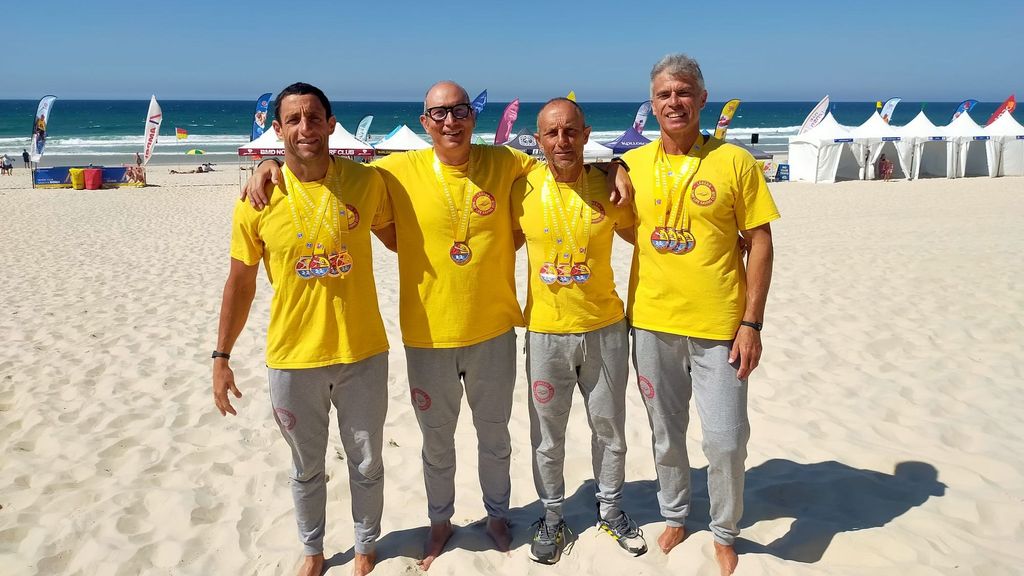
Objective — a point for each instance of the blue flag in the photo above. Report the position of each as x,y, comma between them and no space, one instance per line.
479,102
259,121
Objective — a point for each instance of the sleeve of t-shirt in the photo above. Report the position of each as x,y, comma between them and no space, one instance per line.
755,205
246,245
383,216
523,163
518,196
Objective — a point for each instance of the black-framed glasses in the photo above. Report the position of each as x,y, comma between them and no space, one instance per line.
459,112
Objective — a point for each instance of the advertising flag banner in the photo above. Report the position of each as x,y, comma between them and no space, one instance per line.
728,111
816,115
888,108
259,118
1008,106
363,129
39,122
641,117
964,106
508,118
153,119
479,102
571,95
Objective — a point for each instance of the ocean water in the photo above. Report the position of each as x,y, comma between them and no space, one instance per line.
111,130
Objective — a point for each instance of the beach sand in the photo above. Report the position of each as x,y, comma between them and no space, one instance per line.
886,421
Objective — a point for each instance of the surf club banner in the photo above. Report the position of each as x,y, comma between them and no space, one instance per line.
39,122
641,117
363,129
888,108
964,106
153,119
1008,106
259,118
507,120
728,111
479,102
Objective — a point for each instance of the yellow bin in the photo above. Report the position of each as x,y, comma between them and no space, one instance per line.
77,178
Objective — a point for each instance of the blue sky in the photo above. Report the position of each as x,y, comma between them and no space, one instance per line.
394,49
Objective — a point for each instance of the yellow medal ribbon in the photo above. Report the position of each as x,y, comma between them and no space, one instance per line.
459,219
676,197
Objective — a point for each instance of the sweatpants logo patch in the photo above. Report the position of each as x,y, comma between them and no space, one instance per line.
543,392
284,418
646,387
421,399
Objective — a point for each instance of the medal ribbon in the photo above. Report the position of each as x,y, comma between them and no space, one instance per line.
680,182
551,198
459,220
332,183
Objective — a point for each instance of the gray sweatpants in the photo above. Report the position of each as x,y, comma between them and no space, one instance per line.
596,362
669,369
302,404
436,379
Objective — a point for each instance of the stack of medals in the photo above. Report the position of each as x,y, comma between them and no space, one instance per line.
673,236
566,260
338,262
459,252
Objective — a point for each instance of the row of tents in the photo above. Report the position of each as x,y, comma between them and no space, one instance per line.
830,151
401,139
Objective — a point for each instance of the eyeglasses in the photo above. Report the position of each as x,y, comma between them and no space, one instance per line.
459,112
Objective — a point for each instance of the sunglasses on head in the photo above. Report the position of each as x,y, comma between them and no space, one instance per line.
459,112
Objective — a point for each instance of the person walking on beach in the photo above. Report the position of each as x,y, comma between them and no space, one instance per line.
138,159
696,310
457,299
577,334
326,342
25,157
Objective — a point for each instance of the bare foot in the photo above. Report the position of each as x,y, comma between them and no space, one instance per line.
726,558
440,532
364,564
312,565
671,538
497,529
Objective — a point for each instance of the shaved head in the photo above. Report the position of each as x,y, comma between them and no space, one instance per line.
443,90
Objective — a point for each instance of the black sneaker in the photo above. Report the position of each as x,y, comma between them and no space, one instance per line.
548,541
629,536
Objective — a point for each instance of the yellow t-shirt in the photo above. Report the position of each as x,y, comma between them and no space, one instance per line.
702,293
324,320
575,308
443,304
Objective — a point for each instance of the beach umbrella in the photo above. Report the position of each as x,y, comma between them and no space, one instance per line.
194,151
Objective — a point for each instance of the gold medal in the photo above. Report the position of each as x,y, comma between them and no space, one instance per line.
302,268
548,273
564,274
686,242
660,239
460,253
580,273
319,265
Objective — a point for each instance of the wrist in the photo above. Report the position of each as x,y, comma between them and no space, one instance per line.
619,162
274,160
750,324
218,356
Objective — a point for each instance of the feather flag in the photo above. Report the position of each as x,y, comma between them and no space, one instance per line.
728,111
571,95
640,120
1008,106
181,133
479,102
817,115
888,108
259,117
363,128
964,106
153,119
39,122
508,118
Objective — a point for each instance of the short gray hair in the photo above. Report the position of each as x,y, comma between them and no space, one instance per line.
678,65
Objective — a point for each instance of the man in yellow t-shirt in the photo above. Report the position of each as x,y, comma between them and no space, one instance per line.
577,334
326,342
696,310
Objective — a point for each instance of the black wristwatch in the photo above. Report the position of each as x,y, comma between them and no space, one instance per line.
620,162
223,355
755,325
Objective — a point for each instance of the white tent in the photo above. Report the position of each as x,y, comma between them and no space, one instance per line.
929,147
968,153
878,137
1005,147
400,140
340,143
594,151
825,153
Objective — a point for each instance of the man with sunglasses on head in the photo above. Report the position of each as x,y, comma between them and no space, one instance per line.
452,225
